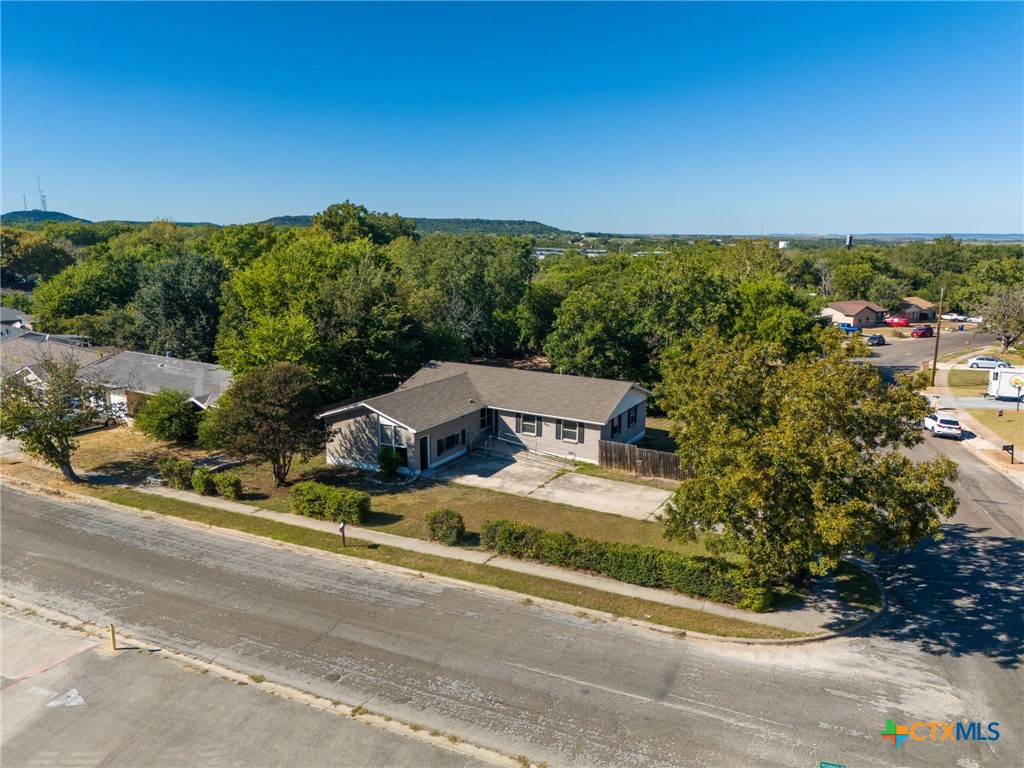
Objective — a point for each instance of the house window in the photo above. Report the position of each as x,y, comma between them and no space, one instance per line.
571,431
452,441
616,425
393,436
529,426
631,416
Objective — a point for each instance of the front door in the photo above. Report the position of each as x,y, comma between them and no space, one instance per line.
424,452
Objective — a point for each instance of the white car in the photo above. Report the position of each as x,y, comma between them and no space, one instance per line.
986,361
941,425
954,316
976,319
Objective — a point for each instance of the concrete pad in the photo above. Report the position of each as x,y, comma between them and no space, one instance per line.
132,708
638,501
518,477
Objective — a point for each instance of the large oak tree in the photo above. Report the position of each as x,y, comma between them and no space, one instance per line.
795,464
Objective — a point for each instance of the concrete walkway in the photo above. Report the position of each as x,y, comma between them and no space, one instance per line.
822,611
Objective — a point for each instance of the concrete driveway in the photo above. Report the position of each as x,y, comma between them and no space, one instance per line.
537,479
638,501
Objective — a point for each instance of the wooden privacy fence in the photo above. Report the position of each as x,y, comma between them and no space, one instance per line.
645,462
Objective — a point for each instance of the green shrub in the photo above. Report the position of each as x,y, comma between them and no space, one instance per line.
177,473
169,415
703,577
326,502
446,526
203,482
389,461
229,485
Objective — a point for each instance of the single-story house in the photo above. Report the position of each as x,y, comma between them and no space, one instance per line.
859,313
131,376
446,409
25,355
916,310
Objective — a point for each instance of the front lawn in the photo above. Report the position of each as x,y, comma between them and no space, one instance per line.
968,383
397,508
1009,426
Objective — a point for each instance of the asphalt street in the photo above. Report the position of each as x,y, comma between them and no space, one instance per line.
908,355
556,686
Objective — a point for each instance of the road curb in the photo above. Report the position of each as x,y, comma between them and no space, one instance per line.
518,597
288,692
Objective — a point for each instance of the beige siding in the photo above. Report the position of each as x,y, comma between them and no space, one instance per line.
546,442
470,423
353,441
628,434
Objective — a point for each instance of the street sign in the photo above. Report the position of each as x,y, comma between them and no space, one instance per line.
830,765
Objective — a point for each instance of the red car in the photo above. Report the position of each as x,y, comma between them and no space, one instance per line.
922,332
897,322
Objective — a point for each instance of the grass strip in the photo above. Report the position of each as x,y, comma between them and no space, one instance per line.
526,584
857,588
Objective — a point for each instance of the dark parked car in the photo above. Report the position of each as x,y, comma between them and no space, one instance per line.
876,340
922,332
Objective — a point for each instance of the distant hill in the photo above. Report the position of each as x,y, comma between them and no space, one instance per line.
37,217
487,227
452,226
289,221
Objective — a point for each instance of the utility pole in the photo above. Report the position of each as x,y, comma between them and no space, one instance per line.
938,332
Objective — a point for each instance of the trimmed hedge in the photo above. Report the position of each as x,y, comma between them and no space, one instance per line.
203,483
177,473
325,502
446,526
703,577
229,485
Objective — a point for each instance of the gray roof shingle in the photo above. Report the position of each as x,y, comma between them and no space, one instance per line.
140,372
441,391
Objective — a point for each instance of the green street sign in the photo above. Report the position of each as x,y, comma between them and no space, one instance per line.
830,765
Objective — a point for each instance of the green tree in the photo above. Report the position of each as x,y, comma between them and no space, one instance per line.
269,413
46,418
347,222
170,414
1004,315
176,307
595,334
886,292
795,464
26,254
238,245
87,287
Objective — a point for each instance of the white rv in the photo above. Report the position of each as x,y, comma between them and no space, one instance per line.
1006,384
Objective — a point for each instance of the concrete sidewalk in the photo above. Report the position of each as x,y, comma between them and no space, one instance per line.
822,611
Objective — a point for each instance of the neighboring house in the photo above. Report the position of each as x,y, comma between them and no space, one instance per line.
916,310
131,376
447,408
24,355
859,313
14,318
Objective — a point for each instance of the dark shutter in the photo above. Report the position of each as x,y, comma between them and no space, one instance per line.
519,423
440,447
580,430
540,426
558,429
462,437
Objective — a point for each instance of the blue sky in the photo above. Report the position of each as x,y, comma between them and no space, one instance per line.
680,118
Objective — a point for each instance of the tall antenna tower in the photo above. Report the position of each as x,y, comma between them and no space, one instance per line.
42,197
24,201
